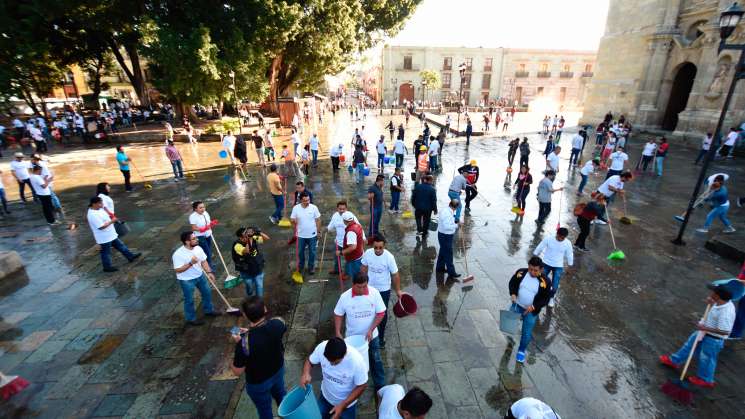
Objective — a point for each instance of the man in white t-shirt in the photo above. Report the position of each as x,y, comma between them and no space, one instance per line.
21,171
193,271
729,143
344,378
102,226
381,150
710,333
363,309
380,267
314,146
434,152
40,185
555,250
530,408
552,160
647,154
295,137
614,184
399,149
306,219
397,404
577,142
337,226
48,176
617,161
228,144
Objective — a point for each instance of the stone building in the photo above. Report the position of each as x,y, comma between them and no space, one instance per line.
658,64
518,75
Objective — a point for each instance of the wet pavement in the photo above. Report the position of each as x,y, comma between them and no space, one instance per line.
115,345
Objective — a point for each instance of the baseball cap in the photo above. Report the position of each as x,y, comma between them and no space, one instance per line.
347,216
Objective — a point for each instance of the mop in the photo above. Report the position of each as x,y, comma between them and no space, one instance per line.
284,222
468,277
678,389
616,254
323,253
230,280
561,201
297,277
145,183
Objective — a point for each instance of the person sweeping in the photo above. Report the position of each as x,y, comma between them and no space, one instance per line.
471,172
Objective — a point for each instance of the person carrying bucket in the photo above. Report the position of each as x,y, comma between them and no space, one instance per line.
259,353
362,309
530,291
344,378
380,267
337,225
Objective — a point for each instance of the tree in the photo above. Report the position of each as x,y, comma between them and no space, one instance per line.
96,67
430,80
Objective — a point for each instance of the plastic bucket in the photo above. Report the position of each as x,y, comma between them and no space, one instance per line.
510,322
342,158
405,306
350,169
367,171
387,159
299,403
432,225
223,154
360,343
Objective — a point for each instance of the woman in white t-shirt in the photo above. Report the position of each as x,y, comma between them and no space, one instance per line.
201,225
102,191
394,402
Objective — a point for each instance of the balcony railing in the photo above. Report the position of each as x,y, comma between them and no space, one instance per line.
487,69
544,74
566,74
521,74
412,68
447,67
587,74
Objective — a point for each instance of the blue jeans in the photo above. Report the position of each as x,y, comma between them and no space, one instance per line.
5,200
315,156
311,244
555,277
381,160
582,183
178,169
399,160
456,195
718,212
206,244
360,172
325,407
262,393
574,157
187,287
395,197
376,363
386,296
353,267
376,213
279,205
106,252
659,165
254,284
706,351
55,201
433,163
445,255
529,320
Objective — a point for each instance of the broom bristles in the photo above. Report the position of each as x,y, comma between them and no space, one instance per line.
13,387
676,390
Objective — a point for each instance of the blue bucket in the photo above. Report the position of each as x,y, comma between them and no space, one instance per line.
367,171
299,403
223,154
350,169
387,160
734,286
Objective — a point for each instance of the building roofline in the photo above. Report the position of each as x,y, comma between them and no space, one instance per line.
503,49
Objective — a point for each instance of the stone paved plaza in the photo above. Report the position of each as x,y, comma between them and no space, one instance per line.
115,345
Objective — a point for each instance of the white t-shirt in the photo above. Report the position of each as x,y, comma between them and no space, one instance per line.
380,147
721,317
389,397
553,161
706,143
434,148
295,138
614,181
577,142
360,311
649,149
21,169
336,151
527,291
97,218
530,408
228,142
182,256
731,138
617,160
587,168
306,220
339,380
337,224
313,143
108,203
200,220
37,182
379,268
399,147
555,251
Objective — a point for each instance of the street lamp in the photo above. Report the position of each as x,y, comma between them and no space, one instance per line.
424,89
728,21
462,70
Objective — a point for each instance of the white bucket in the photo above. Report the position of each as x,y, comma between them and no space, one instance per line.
360,343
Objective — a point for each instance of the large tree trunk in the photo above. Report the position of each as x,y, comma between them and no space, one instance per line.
274,88
134,75
28,97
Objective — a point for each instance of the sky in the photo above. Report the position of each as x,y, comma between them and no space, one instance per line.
550,24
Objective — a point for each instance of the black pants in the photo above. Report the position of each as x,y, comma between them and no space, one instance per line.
645,162
470,195
41,146
511,156
422,220
127,185
22,189
584,231
724,151
520,196
544,208
524,160
701,154
47,207
335,163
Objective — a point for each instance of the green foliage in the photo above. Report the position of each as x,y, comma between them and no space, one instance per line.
431,78
226,124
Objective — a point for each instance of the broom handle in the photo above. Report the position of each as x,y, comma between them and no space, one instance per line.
297,250
227,272
693,349
610,227
225,300
465,253
323,251
624,204
341,276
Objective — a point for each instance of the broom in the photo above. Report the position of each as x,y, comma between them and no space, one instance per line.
323,253
145,183
230,280
284,222
616,254
561,201
297,277
515,208
468,277
11,385
624,219
231,310
678,389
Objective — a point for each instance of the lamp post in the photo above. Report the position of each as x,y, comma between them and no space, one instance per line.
728,21
394,99
462,71
424,89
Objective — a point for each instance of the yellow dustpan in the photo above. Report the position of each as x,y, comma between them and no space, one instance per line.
407,214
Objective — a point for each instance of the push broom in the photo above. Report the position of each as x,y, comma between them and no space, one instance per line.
145,183
285,222
323,253
515,207
624,219
678,389
468,277
297,277
230,280
616,254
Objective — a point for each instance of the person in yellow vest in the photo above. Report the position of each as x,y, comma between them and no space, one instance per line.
422,163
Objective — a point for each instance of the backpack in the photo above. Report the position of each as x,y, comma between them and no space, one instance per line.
579,208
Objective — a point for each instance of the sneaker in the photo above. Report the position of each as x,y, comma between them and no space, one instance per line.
111,269
273,220
454,276
729,229
520,357
598,221
695,380
665,360
135,256
584,249
312,272
702,230
551,303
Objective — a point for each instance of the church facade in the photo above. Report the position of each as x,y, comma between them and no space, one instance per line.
658,65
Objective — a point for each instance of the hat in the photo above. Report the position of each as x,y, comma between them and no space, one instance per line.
347,216
421,148
18,154
721,290
473,163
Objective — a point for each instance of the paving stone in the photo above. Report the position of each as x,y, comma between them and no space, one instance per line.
300,343
454,384
85,340
306,316
10,320
29,343
486,328
115,405
62,283
69,385
442,347
47,351
147,404
417,363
